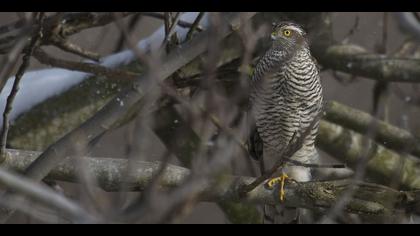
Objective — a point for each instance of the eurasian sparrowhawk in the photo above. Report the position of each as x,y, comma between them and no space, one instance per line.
286,97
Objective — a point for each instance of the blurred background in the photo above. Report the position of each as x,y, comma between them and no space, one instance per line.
362,28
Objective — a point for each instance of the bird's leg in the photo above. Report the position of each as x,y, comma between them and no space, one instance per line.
274,181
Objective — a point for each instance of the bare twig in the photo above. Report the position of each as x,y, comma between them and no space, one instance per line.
142,56
131,26
92,68
174,23
59,25
113,113
195,25
73,23
12,57
352,30
171,132
214,119
167,22
73,48
11,61
15,88
381,89
161,16
45,195
170,26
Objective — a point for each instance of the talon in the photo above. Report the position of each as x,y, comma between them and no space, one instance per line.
282,179
272,182
282,191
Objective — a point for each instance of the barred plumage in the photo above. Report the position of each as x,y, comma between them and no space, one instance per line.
286,96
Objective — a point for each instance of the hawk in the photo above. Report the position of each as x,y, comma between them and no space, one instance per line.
286,97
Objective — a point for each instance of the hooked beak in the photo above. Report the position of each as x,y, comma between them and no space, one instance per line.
273,37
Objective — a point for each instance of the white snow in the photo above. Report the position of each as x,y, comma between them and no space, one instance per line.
153,42
37,86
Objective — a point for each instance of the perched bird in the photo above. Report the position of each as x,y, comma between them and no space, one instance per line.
286,97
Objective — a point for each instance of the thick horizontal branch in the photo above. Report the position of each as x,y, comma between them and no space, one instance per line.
357,61
369,199
385,133
383,165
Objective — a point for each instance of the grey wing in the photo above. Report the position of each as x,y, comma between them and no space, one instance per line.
318,67
255,144
255,148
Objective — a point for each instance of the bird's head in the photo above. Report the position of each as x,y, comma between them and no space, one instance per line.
288,36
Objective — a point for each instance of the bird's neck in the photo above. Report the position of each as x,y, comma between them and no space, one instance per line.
283,56
279,55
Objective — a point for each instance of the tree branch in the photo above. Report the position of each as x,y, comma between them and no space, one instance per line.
43,194
292,147
77,50
181,23
15,88
181,140
113,113
331,143
92,68
356,60
369,199
194,26
385,133
63,26
383,165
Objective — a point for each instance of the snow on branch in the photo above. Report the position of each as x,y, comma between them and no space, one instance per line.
56,81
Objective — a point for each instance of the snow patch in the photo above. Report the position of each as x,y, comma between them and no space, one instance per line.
37,86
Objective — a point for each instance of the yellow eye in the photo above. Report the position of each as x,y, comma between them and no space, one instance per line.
274,34
287,33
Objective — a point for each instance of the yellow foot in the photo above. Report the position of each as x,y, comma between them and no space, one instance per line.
272,182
